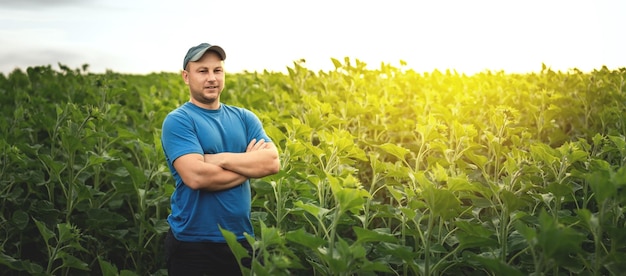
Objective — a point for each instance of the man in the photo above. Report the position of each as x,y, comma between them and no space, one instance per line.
212,150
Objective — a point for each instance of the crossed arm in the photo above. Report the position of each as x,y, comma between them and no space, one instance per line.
220,171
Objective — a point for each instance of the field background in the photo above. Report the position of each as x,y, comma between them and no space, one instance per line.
384,171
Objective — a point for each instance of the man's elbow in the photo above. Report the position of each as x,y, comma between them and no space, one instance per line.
269,168
197,185
273,170
193,184
274,167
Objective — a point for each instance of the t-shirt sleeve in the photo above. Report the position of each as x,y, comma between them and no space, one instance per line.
255,127
179,137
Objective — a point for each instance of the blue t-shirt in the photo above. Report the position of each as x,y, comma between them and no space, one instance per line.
196,214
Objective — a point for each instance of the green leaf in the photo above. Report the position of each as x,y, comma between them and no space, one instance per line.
472,235
238,250
615,263
312,209
106,268
461,184
395,193
161,225
527,232
496,266
394,150
620,143
270,236
336,63
20,265
378,266
45,232
478,160
442,202
136,174
73,262
399,251
560,189
557,241
302,237
350,199
543,152
511,200
375,235
20,219
103,218
600,183
619,178
591,221
409,213
126,272
439,173
55,167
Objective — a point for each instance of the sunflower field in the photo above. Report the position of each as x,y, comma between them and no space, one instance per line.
385,171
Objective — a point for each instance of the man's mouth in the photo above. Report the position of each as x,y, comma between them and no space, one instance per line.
211,87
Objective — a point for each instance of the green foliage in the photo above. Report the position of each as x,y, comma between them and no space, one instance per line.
385,172
79,157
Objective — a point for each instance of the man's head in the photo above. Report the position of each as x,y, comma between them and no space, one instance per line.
204,74
196,52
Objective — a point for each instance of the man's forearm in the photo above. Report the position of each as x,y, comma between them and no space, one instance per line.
200,175
225,179
254,164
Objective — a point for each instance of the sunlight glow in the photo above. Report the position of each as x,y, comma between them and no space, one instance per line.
467,36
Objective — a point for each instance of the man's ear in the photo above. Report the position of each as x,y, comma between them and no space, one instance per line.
185,76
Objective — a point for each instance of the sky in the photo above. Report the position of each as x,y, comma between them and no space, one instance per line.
145,36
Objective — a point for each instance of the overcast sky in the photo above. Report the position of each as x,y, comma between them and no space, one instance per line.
143,36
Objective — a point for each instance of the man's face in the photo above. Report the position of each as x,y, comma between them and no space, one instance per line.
205,79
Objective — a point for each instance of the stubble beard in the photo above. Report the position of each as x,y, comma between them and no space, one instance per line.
207,100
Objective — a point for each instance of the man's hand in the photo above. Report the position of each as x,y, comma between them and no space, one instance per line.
257,145
254,145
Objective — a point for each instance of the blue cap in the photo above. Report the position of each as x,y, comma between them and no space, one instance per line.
196,52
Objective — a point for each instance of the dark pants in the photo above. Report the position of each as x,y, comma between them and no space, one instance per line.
201,258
